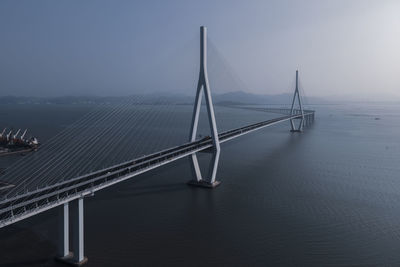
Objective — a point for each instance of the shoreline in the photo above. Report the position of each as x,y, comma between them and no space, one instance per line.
16,152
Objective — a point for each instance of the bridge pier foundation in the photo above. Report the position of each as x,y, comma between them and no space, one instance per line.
212,172
203,183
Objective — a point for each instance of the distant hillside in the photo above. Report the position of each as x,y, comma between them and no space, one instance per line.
241,97
231,98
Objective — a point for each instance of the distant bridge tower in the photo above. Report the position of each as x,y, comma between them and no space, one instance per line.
299,111
203,84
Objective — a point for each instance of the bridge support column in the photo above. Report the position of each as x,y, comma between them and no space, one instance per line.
294,111
77,239
76,258
203,85
63,233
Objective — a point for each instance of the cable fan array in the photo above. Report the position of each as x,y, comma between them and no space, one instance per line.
108,135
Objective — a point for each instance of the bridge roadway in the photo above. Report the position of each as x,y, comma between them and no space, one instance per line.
28,204
285,111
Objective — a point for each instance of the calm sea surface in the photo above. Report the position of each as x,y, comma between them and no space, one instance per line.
329,196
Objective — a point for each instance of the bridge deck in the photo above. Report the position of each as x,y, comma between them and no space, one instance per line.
30,203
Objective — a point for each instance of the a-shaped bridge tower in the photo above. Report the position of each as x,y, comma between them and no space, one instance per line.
204,85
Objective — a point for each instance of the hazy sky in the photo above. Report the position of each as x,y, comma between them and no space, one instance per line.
341,47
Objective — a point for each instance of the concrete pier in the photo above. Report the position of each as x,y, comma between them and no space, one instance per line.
76,257
203,183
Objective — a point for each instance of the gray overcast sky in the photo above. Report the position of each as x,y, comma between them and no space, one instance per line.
341,47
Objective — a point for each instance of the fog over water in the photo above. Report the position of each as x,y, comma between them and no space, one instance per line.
343,49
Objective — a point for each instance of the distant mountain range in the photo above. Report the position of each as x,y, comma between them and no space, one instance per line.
231,98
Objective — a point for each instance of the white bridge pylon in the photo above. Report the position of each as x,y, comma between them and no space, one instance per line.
204,85
299,111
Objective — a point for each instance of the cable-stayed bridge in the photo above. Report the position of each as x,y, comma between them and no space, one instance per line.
55,184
